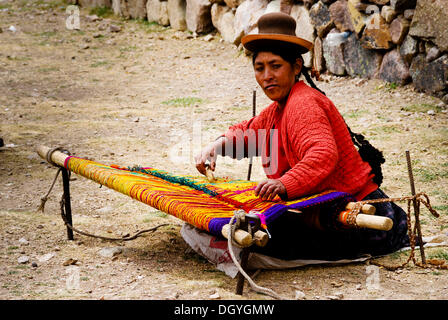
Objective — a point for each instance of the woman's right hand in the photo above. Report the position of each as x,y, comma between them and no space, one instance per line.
209,153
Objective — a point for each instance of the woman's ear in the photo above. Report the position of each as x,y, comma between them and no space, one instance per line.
298,66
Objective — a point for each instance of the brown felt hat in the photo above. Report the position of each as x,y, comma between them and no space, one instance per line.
275,28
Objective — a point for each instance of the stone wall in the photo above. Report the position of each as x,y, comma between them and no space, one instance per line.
399,41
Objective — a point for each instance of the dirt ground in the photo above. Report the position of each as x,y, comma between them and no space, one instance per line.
135,97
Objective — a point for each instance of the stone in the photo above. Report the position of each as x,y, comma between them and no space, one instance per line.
105,210
176,14
409,14
356,17
23,242
45,257
320,17
433,53
409,48
333,55
208,38
273,6
362,7
360,61
434,28
430,77
223,19
399,29
133,9
246,17
198,16
380,2
376,34
233,3
340,15
215,296
110,252
304,29
299,295
157,11
401,5
318,55
93,18
388,13
445,99
394,69
116,7
23,259
69,262
114,28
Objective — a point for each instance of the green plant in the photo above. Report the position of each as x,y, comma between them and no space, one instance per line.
421,107
99,63
103,12
439,254
391,86
183,102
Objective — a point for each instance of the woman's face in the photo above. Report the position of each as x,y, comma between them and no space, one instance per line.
275,75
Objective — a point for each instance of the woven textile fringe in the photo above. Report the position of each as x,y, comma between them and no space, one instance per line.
207,206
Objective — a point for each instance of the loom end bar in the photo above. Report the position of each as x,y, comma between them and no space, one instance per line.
374,222
57,157
366,208
243,238
261,238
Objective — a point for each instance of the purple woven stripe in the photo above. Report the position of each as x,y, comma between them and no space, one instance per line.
216,224
275,211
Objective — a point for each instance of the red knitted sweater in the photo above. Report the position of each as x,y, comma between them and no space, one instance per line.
314,151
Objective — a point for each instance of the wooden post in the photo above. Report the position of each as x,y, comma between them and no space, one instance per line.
244,259
416,208
67,204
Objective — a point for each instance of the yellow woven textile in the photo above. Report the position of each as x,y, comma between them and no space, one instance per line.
207,206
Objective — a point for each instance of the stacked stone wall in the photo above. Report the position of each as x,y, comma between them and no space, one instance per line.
398,41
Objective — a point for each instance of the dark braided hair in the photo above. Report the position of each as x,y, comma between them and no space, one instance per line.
368,153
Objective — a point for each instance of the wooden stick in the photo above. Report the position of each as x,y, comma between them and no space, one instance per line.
57,157
261,238
243,238
366,220
366,208
374,222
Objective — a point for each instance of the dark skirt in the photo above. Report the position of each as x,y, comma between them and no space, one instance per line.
291,238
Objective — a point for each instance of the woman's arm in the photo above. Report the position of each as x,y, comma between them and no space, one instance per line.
234,143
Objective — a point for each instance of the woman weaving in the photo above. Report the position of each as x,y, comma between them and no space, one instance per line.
309,149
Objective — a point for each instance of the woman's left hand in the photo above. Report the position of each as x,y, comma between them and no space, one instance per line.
268,189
